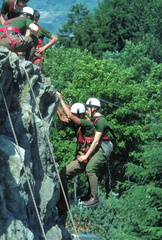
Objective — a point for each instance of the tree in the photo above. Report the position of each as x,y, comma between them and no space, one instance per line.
113,23
125,101
142,207
67,36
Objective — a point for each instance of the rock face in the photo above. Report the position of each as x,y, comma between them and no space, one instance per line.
29,187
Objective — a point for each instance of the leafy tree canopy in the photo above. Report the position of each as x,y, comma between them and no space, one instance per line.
112,23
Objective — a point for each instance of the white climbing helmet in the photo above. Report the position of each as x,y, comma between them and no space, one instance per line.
93,102
78,108
28,11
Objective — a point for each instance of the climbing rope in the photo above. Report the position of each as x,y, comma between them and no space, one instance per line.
27,178
51,151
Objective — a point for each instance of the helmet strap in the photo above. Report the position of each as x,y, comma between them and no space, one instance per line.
94,111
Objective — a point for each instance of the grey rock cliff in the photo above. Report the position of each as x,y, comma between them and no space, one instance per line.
28,176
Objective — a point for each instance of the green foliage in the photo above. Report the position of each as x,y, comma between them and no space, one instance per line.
112,24
137,56
139,216
149,169
78,76
64,144
96,220
131,101
143,191
136,215
76,17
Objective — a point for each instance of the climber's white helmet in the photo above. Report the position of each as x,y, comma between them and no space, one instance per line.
93,102
78,108
28,11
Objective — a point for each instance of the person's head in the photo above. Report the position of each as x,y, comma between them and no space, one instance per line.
78,109
28,12
36,16
21,3
92,106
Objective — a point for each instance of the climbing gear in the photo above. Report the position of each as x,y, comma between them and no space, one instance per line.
105,142
83,141
28,11
40,41
93,102
95,119
15,31
93,201
36,15
38,60
78,108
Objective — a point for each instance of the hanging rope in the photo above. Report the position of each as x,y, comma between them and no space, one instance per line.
51,151
27,178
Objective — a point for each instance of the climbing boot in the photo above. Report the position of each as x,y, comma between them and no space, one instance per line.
93,201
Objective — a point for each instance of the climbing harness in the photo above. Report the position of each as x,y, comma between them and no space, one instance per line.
84,143
111,131
38,60
40,41
15,30
82,140
25,171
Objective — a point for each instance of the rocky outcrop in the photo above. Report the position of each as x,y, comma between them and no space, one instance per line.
29,187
